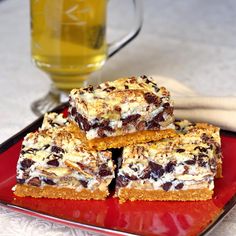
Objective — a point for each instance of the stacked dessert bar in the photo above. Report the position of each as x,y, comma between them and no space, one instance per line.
162,159
124,112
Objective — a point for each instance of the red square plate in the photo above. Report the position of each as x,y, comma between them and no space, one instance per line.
140,217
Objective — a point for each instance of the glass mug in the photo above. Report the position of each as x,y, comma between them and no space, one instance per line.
68,42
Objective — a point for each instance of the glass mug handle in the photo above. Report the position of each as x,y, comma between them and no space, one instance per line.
117,45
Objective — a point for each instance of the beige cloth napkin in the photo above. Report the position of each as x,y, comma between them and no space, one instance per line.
219,111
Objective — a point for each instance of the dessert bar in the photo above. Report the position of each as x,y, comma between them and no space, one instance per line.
182,168
54,163
122,112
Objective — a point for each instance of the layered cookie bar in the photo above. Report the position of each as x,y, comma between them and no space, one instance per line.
53,163
122,112
198,133
181,168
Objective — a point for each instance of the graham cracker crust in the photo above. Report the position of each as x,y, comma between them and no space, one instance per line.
143,136
132,194
23,190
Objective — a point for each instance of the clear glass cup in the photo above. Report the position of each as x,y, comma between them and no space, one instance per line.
68,42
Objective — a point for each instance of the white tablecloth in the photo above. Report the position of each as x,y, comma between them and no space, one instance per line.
189,40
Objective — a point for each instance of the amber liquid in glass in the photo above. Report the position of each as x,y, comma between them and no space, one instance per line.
68,39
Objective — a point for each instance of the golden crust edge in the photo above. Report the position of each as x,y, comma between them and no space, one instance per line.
133,194
23,190
123,140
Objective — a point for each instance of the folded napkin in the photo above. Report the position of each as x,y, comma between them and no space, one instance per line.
219,111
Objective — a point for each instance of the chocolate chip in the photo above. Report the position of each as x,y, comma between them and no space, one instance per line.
211,146
146,173
108,128
46,146
130,119
147,80
186,169
177,127
117,108
53,162
102,127
156,170
169,110
144,77
48,181
89,88
105,123
153,125
201,162
217,148
83,122
166,186
30,151
212,163
104,170
170,166
152,98
95,123
132,167
112,88
86,125
202,155
35,181
53,124
179,186
20,181
26,163
141,125
101,133
84,183
57,149
180,150
109,89
73,111
121,181
166,105
205,138
155,88
201,149
190,162
131,177
159,117
132,80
